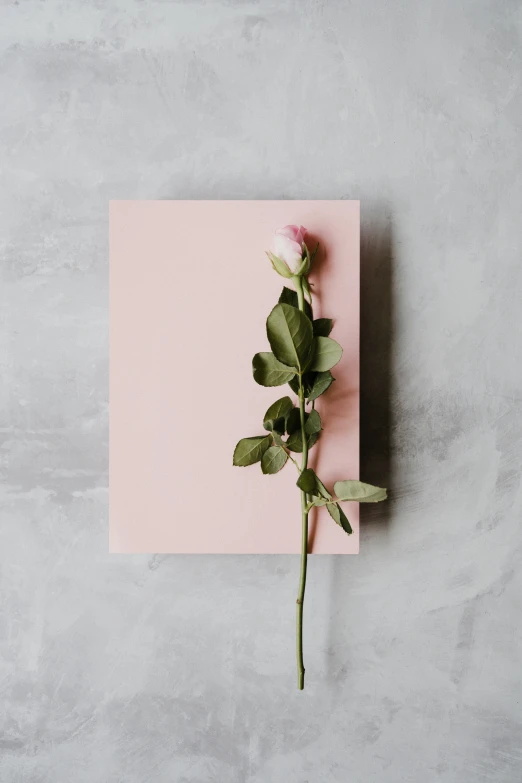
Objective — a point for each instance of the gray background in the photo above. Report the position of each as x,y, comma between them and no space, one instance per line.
165,668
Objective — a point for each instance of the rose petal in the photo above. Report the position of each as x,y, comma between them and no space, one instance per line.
301,235
288,250
297,233
291,232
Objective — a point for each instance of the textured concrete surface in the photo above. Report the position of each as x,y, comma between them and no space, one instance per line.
134,669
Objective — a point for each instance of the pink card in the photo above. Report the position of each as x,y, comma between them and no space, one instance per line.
190,291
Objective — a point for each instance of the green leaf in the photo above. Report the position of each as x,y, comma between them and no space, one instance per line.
277,438
306,481
293,421
290,335
268,371
310,483
312,439
322,489
294,384
322,382
273,459
250,450
358,491
278,411
322,327
338,515
295,442
280,266
313,423
289,296
327,353
279,425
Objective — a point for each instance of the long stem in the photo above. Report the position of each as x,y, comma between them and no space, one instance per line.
304,512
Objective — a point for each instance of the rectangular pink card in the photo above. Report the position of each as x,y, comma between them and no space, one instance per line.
190,291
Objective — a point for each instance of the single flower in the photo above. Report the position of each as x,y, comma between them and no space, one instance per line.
289,254
302,355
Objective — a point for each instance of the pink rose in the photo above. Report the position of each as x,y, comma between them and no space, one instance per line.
288,247
297,233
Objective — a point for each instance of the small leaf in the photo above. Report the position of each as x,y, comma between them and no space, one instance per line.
280,266
293,421
269,372
306,481
312,439
310,483
322,489
338,515
313,423
295,442
322,382
358,491
327,353
288,296
273,459
289,333
322,327
250,450
319,501
277,411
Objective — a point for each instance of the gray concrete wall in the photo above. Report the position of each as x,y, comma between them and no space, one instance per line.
181,669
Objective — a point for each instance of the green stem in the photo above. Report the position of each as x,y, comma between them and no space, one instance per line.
293,460
304,517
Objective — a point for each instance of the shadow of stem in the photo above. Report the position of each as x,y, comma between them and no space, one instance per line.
376,390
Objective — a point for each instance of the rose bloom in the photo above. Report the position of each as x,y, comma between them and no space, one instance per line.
288,245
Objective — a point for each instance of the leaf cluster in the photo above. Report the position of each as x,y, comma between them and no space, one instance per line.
302,355
319,495
283,423
301,349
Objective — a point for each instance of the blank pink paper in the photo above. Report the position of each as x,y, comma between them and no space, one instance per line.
190,291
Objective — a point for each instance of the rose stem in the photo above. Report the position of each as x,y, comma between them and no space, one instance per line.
304,512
